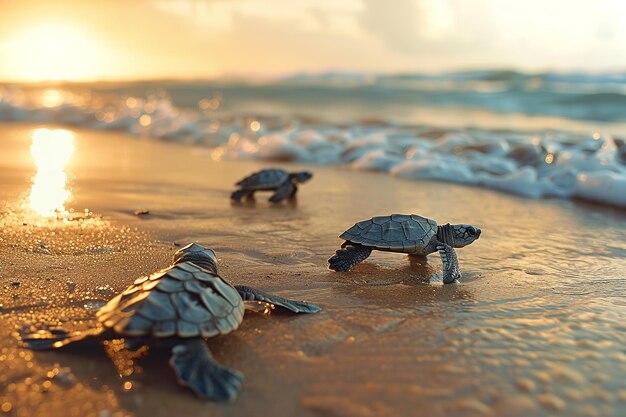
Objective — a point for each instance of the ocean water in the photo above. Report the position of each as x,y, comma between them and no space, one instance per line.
538,135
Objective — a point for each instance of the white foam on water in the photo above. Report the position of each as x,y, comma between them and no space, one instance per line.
563,165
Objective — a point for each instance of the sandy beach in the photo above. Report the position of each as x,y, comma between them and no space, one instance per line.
535,328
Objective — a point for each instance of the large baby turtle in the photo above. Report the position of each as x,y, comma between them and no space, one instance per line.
178,307
404,233
283,183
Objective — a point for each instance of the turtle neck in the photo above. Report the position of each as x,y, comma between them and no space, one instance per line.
445,234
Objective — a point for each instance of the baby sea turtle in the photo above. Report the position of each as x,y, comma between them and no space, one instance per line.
178,307
404,233
283,183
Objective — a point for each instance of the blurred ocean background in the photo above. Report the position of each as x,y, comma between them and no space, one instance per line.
405,98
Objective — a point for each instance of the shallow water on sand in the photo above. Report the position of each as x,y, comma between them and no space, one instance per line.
536,327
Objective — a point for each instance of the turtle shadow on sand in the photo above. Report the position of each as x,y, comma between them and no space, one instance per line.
250,203
416,281
416,270
406,294
136,378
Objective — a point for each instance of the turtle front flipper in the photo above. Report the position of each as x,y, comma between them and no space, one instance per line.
54,339
350,255
195,367
239,194
282,192
450,263
251,294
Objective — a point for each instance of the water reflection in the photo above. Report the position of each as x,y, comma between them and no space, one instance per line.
52,98
51,150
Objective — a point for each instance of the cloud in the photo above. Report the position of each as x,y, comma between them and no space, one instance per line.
396,26
210,16
408,25
202,38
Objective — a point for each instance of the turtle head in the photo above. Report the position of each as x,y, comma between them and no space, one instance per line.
199,255
464,234
300,177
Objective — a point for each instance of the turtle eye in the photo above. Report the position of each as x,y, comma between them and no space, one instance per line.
471,231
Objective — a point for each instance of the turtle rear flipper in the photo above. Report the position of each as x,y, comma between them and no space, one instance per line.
450,263
251,294
195,367
350,255
46,339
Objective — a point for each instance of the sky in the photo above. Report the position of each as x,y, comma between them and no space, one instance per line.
84,40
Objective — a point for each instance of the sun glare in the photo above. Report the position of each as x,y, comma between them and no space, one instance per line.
53,51
51,98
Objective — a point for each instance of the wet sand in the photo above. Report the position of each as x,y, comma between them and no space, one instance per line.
535,328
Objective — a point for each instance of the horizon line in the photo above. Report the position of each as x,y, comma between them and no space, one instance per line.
252,78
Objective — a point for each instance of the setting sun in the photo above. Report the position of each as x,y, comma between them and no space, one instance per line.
53,51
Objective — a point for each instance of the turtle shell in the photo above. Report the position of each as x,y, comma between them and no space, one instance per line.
265,179
183,300
396,233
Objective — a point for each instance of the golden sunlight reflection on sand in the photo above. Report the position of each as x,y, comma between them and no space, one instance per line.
51,150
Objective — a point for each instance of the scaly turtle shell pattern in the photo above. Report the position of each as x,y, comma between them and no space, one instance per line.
263,180
395,233
183,300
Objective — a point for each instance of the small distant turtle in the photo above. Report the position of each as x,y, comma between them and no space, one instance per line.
178,307
283,183
404,233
